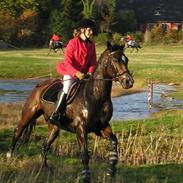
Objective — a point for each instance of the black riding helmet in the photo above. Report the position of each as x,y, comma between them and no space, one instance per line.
86,23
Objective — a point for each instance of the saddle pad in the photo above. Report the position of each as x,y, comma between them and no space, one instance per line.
50,94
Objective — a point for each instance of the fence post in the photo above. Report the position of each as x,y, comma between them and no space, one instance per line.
150,94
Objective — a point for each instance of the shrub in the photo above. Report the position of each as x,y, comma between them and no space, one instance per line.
138,36
157,35
117,37
147,37
172,36
102,38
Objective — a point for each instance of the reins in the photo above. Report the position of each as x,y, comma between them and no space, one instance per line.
115,73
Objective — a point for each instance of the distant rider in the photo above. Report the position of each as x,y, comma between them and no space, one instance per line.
55,41
129,39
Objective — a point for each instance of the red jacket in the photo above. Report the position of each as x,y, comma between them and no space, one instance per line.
128,37
55,37
78,56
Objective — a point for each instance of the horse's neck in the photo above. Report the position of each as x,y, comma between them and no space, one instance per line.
101,84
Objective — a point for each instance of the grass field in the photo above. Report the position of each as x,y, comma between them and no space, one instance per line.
163,64
150,150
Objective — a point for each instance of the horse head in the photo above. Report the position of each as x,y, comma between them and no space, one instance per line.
116,65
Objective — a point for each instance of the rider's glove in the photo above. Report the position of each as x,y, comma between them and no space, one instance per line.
80,75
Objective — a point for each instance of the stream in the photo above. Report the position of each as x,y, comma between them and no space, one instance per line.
133,106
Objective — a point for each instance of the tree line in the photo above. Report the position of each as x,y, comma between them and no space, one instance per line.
31,22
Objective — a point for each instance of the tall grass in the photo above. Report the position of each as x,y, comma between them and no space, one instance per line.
135,147
156,140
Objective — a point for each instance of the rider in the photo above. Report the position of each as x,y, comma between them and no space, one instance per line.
55,40
79,61
129,39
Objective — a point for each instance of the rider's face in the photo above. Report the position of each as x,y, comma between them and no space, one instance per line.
88,32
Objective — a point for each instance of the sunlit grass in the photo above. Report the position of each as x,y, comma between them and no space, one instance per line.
144,145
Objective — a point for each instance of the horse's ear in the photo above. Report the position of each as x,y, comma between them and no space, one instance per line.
123,46
109,46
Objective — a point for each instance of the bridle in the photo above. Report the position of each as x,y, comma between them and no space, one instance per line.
115,73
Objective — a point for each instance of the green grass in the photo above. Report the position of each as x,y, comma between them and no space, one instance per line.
27,63
161,136
160,63
151,150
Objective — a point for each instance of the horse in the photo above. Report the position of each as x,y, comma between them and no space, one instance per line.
55,46
133,44
89,111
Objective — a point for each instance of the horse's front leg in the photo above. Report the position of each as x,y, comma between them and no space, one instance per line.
132,49
82,141
53,133
113,154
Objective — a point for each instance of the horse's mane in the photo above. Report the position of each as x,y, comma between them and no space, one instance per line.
117,47
111,48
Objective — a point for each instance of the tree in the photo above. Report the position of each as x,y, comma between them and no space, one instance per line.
8,25
70,15
20,19
27,27
107,13
125,22
88,6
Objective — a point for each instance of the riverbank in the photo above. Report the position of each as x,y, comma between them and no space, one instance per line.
117,89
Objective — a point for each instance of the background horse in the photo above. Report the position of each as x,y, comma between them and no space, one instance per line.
55,46
133,44
90,111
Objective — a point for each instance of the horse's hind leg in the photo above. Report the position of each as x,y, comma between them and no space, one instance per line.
113,155
49,51
53,133
28,116
132,49
137,49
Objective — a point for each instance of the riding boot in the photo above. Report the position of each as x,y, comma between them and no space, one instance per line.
60,107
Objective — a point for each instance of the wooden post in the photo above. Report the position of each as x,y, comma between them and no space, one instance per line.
150,94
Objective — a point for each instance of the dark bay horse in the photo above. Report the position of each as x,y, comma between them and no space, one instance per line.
55,46
90,111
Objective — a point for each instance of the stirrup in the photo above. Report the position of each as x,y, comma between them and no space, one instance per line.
55,117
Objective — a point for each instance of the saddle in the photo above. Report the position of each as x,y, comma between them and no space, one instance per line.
57,44
51,92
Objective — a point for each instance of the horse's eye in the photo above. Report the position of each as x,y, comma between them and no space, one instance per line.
124,59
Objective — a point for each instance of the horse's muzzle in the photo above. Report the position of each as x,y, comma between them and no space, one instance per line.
127,82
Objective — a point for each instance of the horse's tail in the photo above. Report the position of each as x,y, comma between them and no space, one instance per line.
27,132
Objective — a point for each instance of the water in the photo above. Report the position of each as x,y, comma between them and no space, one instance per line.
15,90
133,106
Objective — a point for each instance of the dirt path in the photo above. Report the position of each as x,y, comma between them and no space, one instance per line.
117,90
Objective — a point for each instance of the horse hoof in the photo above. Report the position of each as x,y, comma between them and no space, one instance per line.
8,155
86,176
111,172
